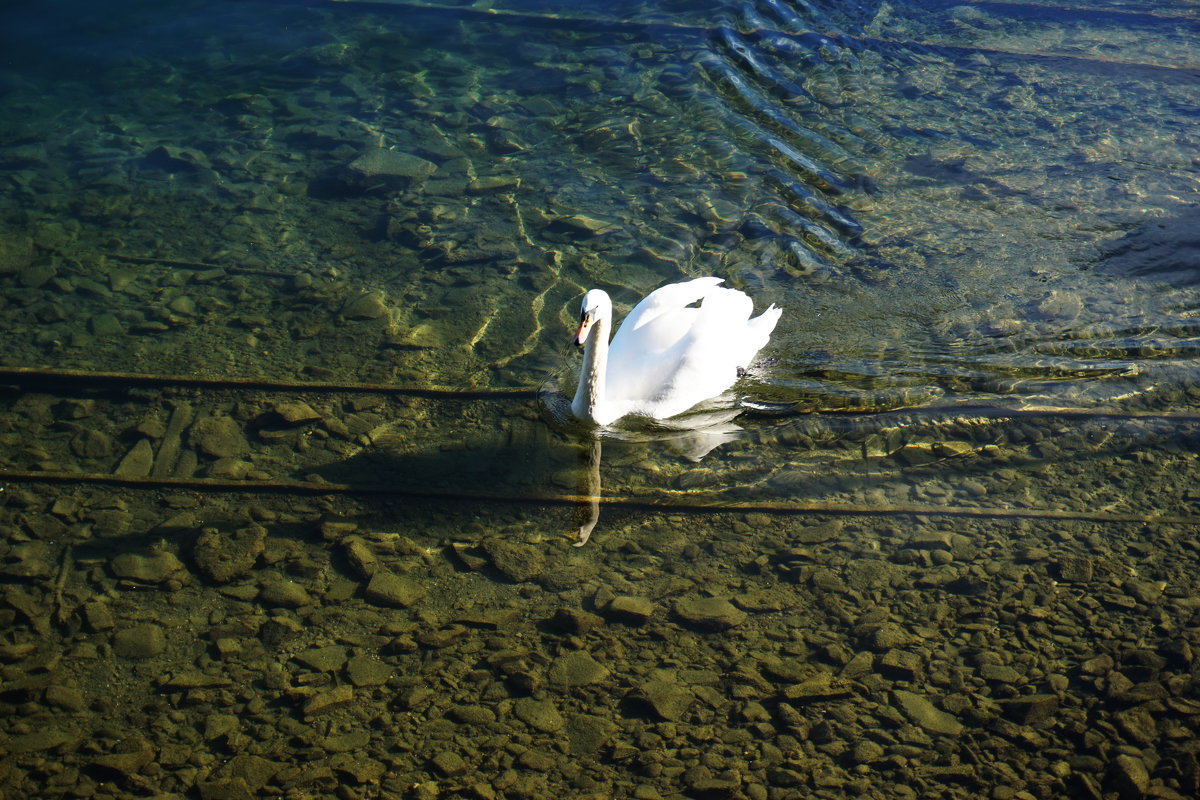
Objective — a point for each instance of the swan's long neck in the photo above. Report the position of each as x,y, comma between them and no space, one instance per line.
589,395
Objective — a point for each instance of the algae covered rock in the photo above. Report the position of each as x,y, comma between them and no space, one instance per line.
16,253
219,437
225,556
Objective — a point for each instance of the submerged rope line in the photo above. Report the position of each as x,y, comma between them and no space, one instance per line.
43,375
26,375
613,501
700,29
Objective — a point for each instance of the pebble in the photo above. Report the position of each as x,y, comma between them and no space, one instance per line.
361,557
516,561
1031,709
16,253
449,763
326,701
1074,569
225,556
146,568
365,306
922,712
576,669
575,621
38,741
390,589
12,653
98,616
219,437
65,697
183,304
295,413
668,699
104,325
867,752
473,715
635,610
284,594
140,641
28,560
138,462
92,444
1129,777
368,671
821,686
588,733
346,742
539,714
901,665
323,659
131,757
710,613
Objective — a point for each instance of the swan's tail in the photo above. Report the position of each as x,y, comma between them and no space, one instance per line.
765,322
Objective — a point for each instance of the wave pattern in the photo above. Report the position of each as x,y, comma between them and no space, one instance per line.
774,76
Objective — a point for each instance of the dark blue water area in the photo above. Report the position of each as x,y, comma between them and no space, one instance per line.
63,38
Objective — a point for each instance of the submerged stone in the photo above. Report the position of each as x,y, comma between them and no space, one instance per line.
517,561
225,556
926,715
147,568
323,659
295,413
587,733
138,462
667,699
365,306
140,641
38,741
368,671
131,756
284,593
539,714
631,609
394,590
577,669
219,437
324,702
16,253
710,613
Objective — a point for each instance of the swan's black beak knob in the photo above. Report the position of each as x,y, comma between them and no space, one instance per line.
585,325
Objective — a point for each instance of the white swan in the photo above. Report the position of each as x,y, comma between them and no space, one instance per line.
668,355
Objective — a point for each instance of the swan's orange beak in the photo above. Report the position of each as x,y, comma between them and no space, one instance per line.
585,325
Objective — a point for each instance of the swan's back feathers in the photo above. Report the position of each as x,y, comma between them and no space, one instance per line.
669,356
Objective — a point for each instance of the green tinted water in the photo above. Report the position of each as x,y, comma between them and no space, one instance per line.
969,573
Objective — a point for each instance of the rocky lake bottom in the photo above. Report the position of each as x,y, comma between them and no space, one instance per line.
175,640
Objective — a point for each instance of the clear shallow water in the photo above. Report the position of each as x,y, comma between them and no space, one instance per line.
975,216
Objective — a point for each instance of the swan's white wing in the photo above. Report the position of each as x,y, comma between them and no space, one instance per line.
664,300
719,338
705,361
643,352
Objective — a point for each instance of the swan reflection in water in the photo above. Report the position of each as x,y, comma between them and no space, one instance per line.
665,376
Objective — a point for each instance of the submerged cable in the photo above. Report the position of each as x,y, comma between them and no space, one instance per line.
615,501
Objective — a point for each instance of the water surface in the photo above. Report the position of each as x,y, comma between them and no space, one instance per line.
342,560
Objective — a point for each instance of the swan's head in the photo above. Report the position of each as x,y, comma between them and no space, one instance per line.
596,306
